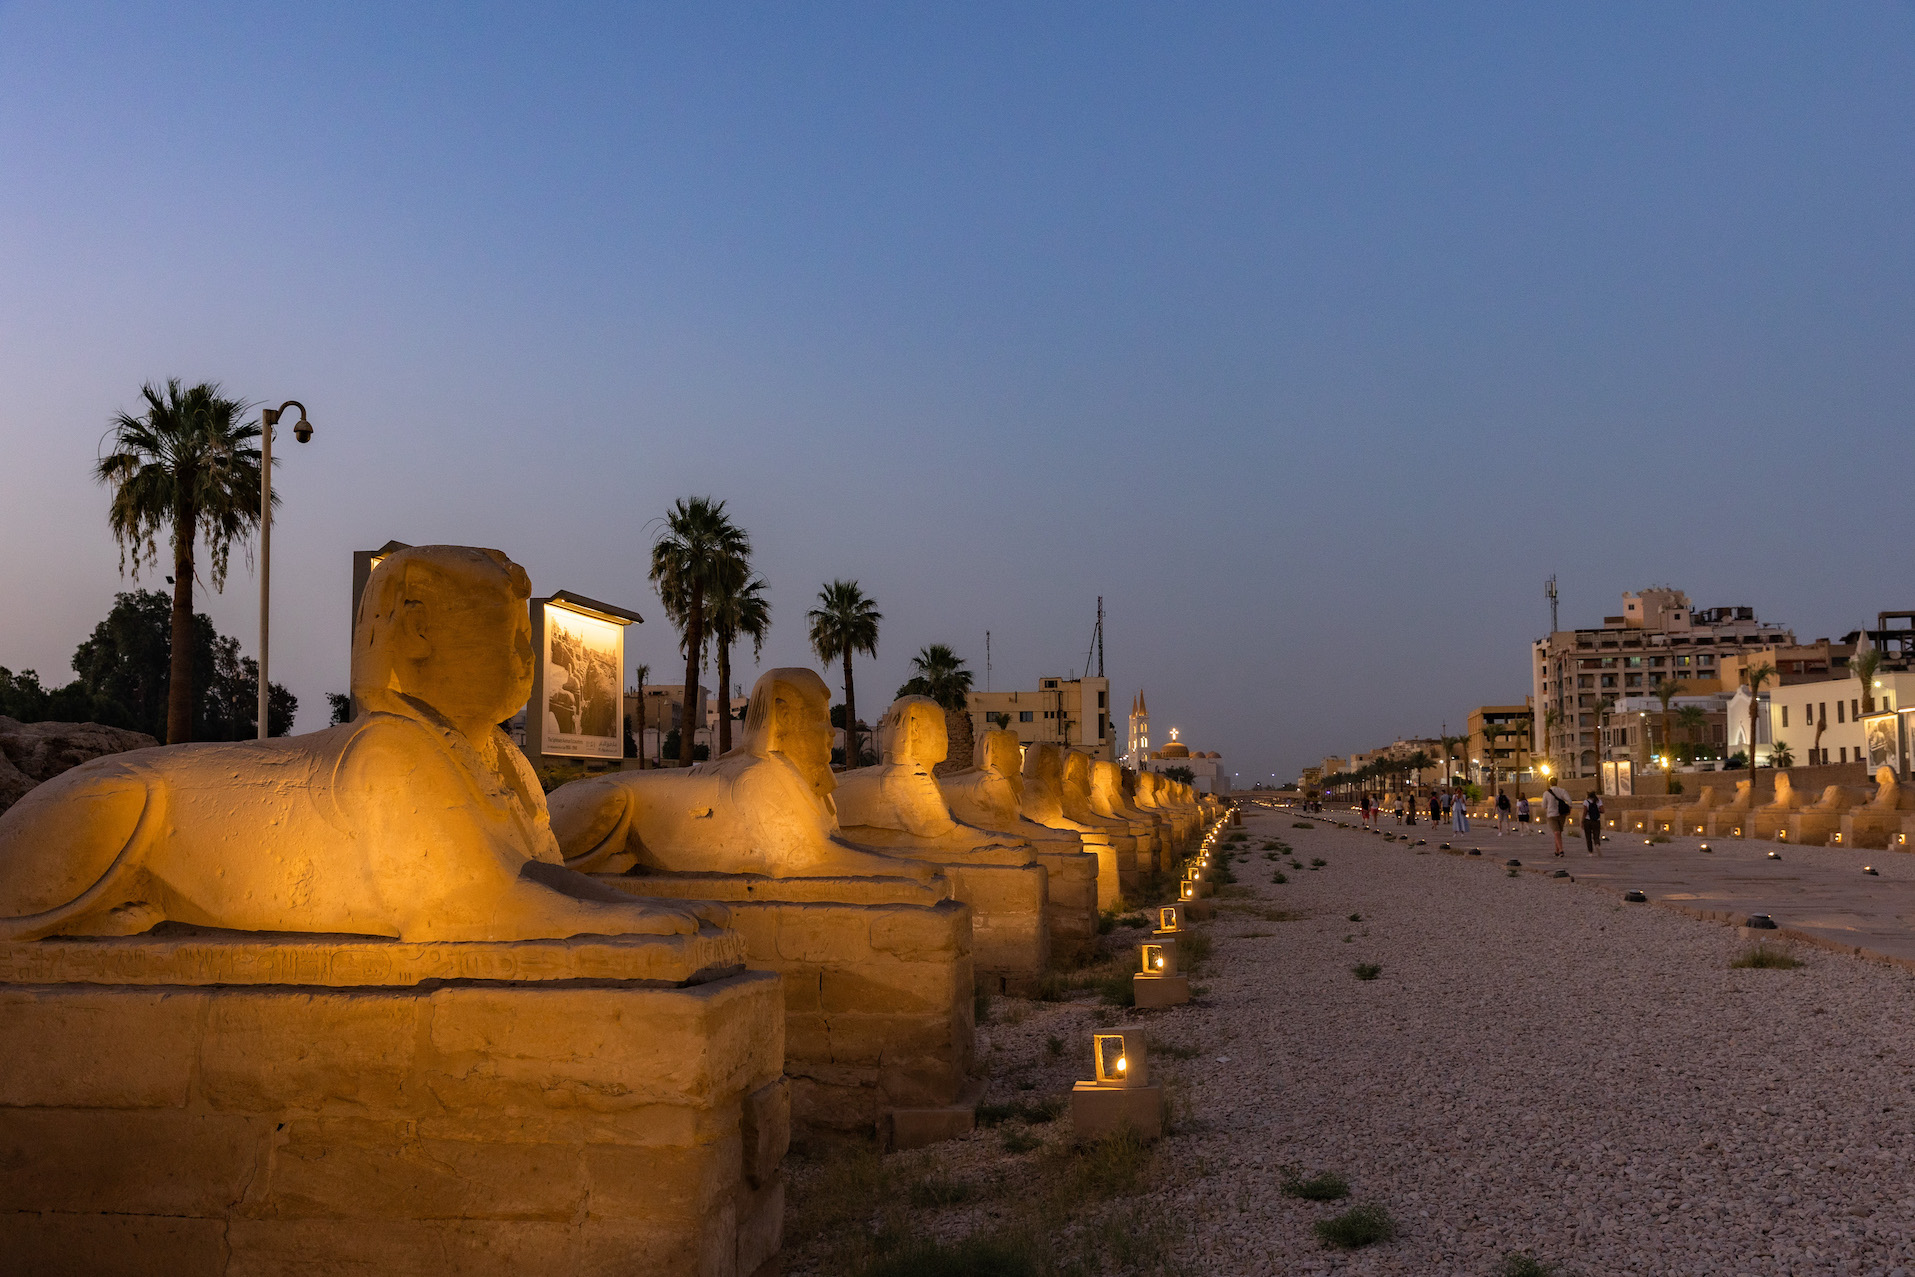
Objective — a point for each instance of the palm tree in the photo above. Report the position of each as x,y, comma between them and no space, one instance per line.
843,624
1692,718
1667,690
940,674
1450,745
1755,677
1864,667
1552,719
1779,755
739,609
189,467
694,550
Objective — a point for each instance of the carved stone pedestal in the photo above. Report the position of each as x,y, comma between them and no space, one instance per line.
879,992
230,1103
1154,992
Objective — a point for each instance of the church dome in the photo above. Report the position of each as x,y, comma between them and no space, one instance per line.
1176,749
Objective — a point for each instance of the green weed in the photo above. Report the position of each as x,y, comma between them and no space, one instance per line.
1358,1226
1763,958
1324,1186
1366,970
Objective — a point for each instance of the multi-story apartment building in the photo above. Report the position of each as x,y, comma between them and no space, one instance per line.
1498,745
1579,676
1069,711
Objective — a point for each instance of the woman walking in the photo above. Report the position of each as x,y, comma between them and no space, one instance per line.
1522,813
1459,808
1502,812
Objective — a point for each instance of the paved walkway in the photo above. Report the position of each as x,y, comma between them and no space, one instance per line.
1818,895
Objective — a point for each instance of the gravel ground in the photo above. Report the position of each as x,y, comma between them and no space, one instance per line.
1540,1068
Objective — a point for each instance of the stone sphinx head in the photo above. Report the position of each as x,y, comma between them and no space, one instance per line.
445,626
1044,766
790,715
1887,788
1001,758
912,732
1784,790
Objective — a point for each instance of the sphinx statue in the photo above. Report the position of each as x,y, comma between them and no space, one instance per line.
1076,795
990,796
1773,816
418,820
1680,818
767,807
1818,823
1885,818
897,801
896,806
1107,798
1730,819
1042,803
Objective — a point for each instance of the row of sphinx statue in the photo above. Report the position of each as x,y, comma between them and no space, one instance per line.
420,820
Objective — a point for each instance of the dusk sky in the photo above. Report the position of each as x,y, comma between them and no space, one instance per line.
1313,338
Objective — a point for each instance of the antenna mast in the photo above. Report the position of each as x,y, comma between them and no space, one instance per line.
1549,591
1096,642
987,660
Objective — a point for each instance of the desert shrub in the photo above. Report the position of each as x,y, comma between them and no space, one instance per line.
935,1190
1358,1226
1324,1186
1366,970
1517,1264
1763,958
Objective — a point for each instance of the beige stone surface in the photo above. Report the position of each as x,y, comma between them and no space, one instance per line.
990,796
898,806
1107,798
419,820
767,808
1075,795
1099,1111
553,1126
878,993
1154,992
1042,802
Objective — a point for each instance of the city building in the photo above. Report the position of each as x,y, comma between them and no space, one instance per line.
1658,636
1497,750
1821,722
1068,711
1137,735
1205,768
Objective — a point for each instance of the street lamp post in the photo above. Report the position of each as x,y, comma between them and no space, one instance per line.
302,431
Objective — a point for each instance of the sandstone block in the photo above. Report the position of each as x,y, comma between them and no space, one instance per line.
98,1048
272,1047
1098,1111
128,1161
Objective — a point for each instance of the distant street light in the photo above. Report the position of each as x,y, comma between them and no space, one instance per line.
302,431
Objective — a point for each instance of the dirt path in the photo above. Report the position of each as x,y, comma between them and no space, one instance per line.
1539,1068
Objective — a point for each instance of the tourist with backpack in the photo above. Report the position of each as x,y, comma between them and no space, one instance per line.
1592,821
1556,805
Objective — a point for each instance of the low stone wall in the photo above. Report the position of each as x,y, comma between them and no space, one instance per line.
879,989
182,1107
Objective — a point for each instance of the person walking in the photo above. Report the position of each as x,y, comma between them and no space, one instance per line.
1592,822
1436,808
1459,808
1522,813
1502,812
1556,805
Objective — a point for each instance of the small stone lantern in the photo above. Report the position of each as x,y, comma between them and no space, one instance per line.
1158,984
1121,1093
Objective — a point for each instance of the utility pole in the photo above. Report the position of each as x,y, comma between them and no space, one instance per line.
987,660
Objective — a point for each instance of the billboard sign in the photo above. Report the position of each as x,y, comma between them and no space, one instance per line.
578,686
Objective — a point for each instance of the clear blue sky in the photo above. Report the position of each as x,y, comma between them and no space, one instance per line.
1313,338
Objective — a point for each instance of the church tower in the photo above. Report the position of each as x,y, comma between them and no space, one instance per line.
1139,730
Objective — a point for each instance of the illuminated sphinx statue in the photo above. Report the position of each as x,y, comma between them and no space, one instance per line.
1042,802
765,808
1107,798
897,806
897,803
418,820
990,796
1076,794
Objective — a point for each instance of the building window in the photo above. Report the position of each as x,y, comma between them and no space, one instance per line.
1785,716
1609,680
1839,707
1855,709
1100,703
1023,716
1845,754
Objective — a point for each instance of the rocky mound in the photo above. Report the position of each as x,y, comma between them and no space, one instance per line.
32,753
